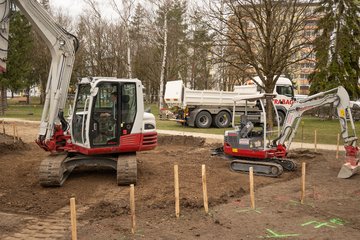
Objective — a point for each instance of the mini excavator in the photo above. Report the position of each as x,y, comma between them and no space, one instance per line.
107,125
249,148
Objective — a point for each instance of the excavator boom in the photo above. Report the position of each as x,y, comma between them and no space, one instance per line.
62,46
340,98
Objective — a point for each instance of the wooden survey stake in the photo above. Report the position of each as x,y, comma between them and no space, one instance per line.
73,219
303,173
132,208
315,140
252,194
337,146
14,133
177,195
203,174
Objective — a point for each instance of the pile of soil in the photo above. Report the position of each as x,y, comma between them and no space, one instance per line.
7,144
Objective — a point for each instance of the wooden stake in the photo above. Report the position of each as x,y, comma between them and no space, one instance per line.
315,140
73,219
132,208
303,172
177,195
3,125
302,133
14,132
203,174
252,195
337,146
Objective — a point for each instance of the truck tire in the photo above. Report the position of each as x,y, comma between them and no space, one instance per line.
222,119
281,117
203,119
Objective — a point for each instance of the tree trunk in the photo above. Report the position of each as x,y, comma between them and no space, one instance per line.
28,95
2,100
163,65
128,50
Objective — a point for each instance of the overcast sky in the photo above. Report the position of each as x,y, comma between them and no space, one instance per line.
75,7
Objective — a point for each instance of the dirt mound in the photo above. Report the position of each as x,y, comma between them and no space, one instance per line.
303,154
180,140
7,144
105,209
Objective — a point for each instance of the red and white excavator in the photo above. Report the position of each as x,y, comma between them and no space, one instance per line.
250,148
108,124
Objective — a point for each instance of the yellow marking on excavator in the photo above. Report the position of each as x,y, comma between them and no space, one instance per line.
235,150
342,112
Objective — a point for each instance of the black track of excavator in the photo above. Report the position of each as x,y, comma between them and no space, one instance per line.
55,169
268,169
273,167
53,172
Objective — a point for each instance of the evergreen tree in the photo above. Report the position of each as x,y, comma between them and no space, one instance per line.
200,43
337,46
19,61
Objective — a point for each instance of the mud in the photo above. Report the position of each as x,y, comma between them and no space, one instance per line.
103,207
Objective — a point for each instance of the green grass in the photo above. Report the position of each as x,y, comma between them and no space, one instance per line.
27,112
327,130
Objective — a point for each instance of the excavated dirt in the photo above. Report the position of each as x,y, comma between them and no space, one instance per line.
104,207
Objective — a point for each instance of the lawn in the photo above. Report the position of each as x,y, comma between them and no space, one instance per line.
327,130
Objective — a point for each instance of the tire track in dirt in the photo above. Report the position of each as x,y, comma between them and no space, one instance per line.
55,226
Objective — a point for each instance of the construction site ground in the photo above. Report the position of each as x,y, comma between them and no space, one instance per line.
28,211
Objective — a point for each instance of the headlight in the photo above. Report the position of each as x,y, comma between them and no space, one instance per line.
149,126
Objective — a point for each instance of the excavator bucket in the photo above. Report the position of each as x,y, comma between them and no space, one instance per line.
347,170
351,167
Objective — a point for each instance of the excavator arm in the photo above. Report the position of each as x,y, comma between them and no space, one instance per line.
62,46
340,98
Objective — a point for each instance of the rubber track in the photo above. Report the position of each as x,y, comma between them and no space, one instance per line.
286,163
52,171
258,167
126,169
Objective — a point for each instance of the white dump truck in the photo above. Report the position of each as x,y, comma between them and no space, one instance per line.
205,108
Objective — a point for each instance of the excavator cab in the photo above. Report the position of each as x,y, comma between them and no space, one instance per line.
107,111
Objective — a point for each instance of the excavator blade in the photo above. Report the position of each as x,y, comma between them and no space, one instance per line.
347,170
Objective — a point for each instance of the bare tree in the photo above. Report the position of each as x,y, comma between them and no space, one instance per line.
262,38
165,5
103,43
124,10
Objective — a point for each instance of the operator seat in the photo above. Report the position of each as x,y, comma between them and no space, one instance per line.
245,127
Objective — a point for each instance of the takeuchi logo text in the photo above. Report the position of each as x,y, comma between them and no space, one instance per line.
283,101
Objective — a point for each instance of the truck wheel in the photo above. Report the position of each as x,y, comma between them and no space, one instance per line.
203,119
281,118
222,119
